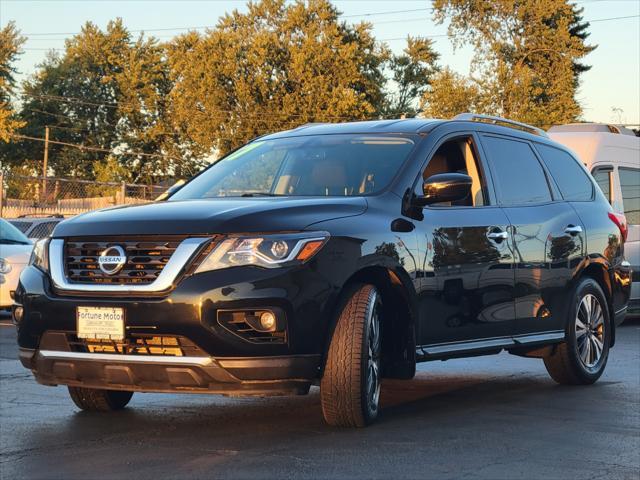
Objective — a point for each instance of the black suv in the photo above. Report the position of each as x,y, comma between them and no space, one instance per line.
338,255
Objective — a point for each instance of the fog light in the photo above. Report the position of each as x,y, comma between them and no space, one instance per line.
18,313
268,321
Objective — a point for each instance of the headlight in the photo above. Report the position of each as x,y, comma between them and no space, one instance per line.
268,251
5,266
40,255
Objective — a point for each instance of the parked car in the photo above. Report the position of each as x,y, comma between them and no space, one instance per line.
336,255
36,226
612,154
15,250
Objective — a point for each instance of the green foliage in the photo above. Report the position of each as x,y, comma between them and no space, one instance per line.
527,55
275,67
451,94
10,43
146,110
412,73
107,92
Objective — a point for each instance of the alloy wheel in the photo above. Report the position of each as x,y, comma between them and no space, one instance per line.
374,342
589,327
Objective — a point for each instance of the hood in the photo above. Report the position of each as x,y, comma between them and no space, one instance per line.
16,254
216,215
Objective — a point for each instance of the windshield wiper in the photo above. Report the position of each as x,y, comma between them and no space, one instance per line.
260,194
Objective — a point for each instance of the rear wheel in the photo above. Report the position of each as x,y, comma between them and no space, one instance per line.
96,400
350,386
581,359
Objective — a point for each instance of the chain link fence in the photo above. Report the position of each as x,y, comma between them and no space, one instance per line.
23,195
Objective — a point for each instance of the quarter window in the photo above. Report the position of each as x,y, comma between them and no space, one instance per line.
571,178
602,176
630,185
518,173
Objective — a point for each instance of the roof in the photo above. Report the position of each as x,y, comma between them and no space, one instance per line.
600,147
592,128
403,126
406,126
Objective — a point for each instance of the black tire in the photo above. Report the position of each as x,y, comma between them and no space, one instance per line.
567,364
95,400
350,385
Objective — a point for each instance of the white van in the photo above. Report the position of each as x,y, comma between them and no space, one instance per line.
612,155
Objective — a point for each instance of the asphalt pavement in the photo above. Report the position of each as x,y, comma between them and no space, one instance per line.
495,417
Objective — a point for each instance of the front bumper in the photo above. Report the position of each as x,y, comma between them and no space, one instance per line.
226,361
144,373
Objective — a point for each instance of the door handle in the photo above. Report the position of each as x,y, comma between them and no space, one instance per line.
573,229
498,236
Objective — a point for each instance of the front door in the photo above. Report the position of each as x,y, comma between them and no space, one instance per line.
466,277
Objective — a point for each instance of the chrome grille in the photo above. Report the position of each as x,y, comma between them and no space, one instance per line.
146,258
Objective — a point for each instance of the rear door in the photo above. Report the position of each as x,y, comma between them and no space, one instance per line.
546,233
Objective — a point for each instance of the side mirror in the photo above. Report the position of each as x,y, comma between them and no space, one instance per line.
444,187
171,190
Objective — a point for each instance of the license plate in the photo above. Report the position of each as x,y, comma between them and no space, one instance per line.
101,323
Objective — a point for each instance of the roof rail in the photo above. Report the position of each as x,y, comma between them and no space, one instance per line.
309,124
503,122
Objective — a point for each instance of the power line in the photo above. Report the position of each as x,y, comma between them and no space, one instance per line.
45,49
438,35
115,105
612,18
89,148
391,12
168,29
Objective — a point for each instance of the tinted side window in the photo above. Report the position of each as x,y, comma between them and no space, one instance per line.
630,185
517,172
573,181
602,176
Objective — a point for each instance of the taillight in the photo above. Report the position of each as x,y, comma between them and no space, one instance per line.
621,222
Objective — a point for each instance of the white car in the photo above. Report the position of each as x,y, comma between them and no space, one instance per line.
612,154
15,251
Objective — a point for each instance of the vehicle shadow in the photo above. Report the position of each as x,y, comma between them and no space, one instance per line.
200,433
427,398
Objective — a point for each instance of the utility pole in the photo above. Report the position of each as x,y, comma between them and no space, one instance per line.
45,160
1,192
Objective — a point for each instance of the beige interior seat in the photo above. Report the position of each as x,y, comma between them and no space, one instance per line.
329,177
457,156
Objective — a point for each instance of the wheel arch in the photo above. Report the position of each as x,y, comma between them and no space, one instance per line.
400,307
599,271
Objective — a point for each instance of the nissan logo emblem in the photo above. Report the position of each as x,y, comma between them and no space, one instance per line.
112,259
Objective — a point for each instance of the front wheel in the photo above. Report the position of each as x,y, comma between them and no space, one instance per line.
581,359
350,386
97,400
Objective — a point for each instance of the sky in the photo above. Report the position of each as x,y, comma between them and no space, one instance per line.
610,91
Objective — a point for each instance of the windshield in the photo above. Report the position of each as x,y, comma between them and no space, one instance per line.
11,235
321,165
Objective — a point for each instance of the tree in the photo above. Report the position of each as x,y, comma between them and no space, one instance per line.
10,43
108,93
527,54
411,74
451,94
275,67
